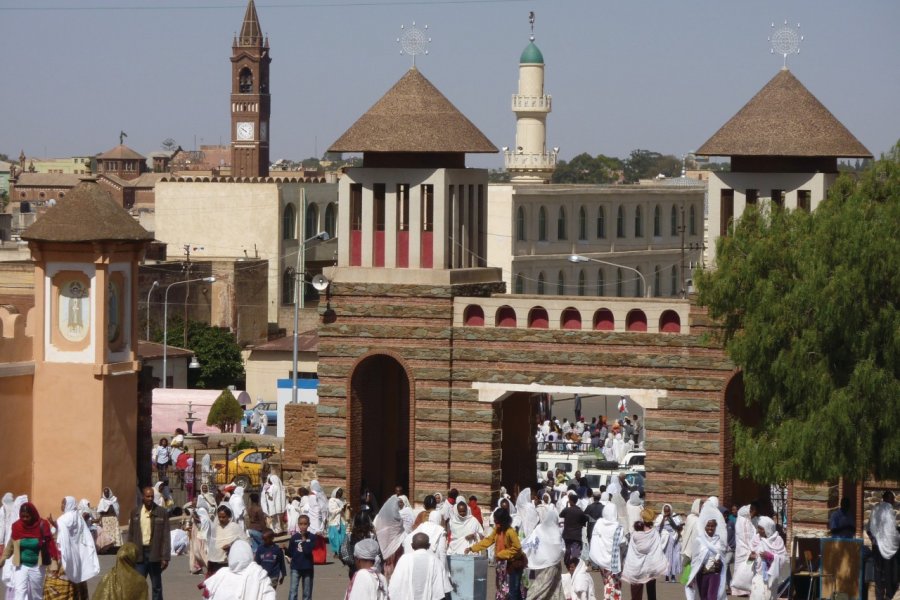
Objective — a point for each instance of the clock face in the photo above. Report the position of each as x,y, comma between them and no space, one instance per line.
245,131
264,131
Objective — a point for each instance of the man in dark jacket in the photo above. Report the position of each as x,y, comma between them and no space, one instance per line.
148,529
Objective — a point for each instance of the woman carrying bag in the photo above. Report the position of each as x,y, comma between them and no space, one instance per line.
508,554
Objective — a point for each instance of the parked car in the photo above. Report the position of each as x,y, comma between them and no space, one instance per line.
244,468
634,461
271,409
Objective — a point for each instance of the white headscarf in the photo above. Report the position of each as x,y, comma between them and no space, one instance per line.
318,508
526,513
437,536
243,579
293,515
775,572
108,501
389,527
706,548
690,529
461,527
645,559
633,509
76,544
606,540
237,505
205,522
206,499
273,498
335,508
7,517
712,505
883,527
158,497
407,515
544,547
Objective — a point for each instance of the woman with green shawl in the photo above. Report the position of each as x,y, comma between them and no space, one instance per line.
123,582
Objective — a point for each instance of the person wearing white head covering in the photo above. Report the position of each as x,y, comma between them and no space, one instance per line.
337,525
645,559
581,584
367,583
389,533
274,501
608,452
8,569
465,529
882,530
711,507
744,532
671,523
242,579
419,574
318,508
707,555
618,446
78,554
688,534
223,533
437,537
545,550
206,499
7,518
526,515
633,509
238,507
407,515
110,535
770,561
607,543
199,533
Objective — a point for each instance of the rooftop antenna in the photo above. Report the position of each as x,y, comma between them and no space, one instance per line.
531,22
413,41
785,40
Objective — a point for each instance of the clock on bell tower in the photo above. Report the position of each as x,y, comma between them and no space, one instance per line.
250,100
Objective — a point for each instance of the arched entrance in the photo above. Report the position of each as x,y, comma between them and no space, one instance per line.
740,490
517,415
379,439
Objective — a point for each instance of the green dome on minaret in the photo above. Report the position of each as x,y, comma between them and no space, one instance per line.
531,55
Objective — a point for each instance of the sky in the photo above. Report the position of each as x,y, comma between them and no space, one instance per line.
650,74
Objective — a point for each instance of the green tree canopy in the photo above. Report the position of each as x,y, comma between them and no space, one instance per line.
225,412
215,348
645,164
809,308
585,168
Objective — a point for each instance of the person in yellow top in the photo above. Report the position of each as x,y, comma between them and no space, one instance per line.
507,551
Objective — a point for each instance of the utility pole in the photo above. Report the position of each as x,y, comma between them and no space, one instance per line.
187,290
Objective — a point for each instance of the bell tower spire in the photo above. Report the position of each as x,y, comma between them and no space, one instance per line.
250,99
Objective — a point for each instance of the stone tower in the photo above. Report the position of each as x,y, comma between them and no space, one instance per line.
529,161
250,99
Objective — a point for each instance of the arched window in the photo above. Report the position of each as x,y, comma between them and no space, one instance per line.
620,222
287,286
520,224
561,224
674,281
657,221
582,224
619,283
601,283
561,284
673,222
669,322
312,220
604,320
581,279
505,317
542,224
638,285
289,223
538,319
520,284
540,289
636,320
331,219
245,81
570,319
601,223
473,316
692,221
638,222
657,281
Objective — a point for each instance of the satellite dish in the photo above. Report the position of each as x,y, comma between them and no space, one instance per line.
320,282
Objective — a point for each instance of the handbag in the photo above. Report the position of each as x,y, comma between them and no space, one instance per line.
519,562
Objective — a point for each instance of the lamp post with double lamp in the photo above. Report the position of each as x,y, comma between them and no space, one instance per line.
578,258
152,287
299,280
166,322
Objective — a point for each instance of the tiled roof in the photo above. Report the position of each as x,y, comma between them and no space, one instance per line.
121,152
413,116
151,350
307,341
88,213
784,119
58,180
251,32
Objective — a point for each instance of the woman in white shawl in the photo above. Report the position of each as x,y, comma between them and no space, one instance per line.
242,579
691,528
7,518
465,529
318,508
707,555
294,510
437,537
110,535
581,585
545,549
238,507
645,559
206,470
527,517
882,530
633,509
206,499
770,558
711,510
607,543
78,554
615,496
608,452
198,552
274,501
389,533
337,525
618,446
671,523
223,533
744,532
407,515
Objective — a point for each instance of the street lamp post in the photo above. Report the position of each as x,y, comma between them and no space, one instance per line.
152,287
299,280
166,322
578,258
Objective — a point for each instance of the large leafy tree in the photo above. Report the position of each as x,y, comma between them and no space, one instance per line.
809,308
215,348
645,164
585,168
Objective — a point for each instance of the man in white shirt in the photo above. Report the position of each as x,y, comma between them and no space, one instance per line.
419,576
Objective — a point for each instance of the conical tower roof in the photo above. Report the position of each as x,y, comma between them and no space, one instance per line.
413,116
251,32
87,214
784,119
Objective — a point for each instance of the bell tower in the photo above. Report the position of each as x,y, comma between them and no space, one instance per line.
250,100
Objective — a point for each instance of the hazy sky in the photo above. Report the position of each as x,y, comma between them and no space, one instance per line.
660,75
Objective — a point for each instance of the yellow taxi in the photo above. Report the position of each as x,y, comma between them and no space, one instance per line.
244,468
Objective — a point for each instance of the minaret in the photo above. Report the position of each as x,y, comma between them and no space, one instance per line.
529,161
250,100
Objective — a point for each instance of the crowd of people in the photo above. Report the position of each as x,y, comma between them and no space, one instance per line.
614,439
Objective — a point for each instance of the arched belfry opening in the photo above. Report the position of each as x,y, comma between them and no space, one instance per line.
379,439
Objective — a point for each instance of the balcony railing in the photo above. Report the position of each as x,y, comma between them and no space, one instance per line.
536,161
538,103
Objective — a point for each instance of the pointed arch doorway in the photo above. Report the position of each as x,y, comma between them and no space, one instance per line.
380,437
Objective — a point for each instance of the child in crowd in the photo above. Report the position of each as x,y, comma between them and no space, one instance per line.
270,557
300,554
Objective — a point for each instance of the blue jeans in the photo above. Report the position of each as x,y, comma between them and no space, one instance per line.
255,539
515,583
307,577
154,570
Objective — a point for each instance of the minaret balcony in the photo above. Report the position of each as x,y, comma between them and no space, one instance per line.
530,161
525,103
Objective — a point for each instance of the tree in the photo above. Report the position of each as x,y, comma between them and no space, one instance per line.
216,350
225,412
586,169
809,307
645,164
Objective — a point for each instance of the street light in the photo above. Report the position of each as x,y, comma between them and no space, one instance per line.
152,287
166,322
299,280
577,258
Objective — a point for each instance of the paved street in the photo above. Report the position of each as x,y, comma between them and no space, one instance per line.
330,583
